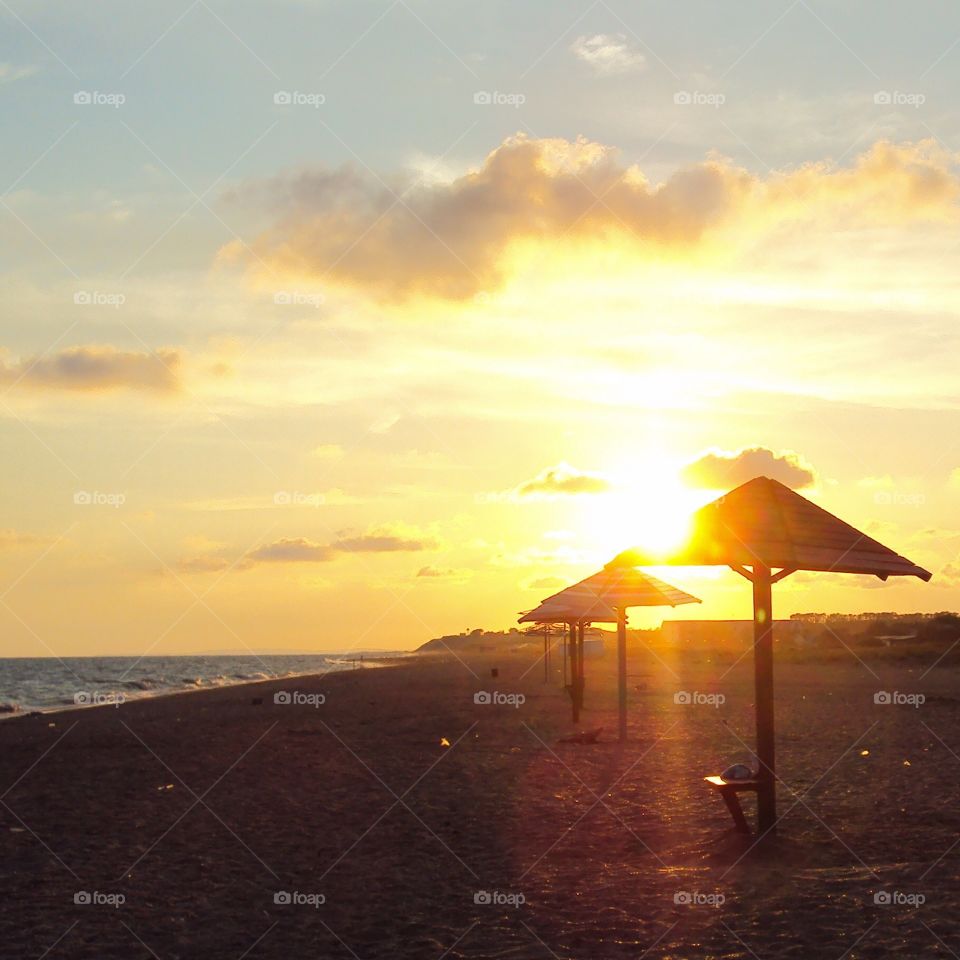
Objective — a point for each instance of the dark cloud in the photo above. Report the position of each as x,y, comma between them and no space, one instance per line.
97,368
719,470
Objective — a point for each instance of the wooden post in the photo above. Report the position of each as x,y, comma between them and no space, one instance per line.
580,673
622,673
574,674
563,652
763,695
546,665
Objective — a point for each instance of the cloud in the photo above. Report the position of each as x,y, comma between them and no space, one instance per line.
442,573
10,538
10,73
562,481
718,470
293,550
545,583
304,550
96,368
608,54
453,239
380,543
949,575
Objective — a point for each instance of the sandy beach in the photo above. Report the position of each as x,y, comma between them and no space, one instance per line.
186,821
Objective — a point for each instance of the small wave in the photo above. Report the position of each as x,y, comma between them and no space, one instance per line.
9,707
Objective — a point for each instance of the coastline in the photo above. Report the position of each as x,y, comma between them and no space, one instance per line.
110,697
417,812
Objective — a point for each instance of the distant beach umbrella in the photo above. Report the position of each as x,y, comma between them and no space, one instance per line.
605,597
765,531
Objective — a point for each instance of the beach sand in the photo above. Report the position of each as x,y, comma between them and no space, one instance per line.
198,809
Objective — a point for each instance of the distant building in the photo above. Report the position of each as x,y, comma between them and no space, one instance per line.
736,633
594,644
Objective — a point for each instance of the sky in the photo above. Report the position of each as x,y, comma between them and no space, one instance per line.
344,325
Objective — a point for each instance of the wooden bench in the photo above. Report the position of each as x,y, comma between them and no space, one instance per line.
728,789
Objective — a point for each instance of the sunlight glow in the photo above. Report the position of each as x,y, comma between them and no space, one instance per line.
648,507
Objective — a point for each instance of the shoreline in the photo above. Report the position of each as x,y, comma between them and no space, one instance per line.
150,695
436,823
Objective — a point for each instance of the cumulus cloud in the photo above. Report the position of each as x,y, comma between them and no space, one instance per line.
718,470
96,368
608,54
452,239
562,481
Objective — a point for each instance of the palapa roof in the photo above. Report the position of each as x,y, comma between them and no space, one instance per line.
764,522
590,610
619,587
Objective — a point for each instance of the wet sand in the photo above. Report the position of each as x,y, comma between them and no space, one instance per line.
198,810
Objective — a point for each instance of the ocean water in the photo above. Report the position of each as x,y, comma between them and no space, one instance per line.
49,683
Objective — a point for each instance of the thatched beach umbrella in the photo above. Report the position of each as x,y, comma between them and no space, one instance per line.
613,591
767,527
575,616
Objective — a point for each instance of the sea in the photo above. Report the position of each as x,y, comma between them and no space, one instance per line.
52,683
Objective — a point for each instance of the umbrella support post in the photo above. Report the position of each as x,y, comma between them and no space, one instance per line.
563,654
574,674
622,674
763,682
580,675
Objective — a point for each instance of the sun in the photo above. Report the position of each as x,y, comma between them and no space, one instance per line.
647,506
